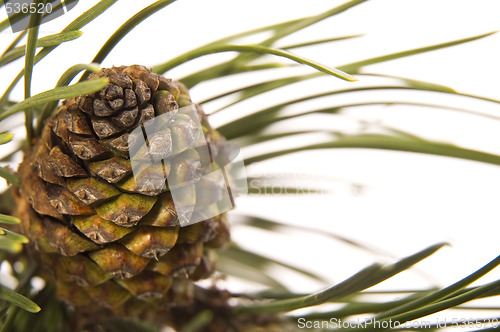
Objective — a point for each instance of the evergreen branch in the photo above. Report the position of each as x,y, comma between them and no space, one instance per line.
52,40
440,294
252,49
342,289
64,80
29,62
18,300
435,307
63,92
364,279
389,142
5,138
319,41
128,26
77,24
356,66
8,176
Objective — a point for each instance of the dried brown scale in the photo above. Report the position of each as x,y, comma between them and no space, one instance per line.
112,244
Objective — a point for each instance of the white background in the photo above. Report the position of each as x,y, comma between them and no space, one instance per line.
407,201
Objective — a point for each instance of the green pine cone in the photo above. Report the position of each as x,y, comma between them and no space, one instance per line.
108,235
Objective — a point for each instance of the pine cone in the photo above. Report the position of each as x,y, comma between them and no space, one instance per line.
107,230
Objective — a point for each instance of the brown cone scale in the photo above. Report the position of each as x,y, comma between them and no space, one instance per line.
110,244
